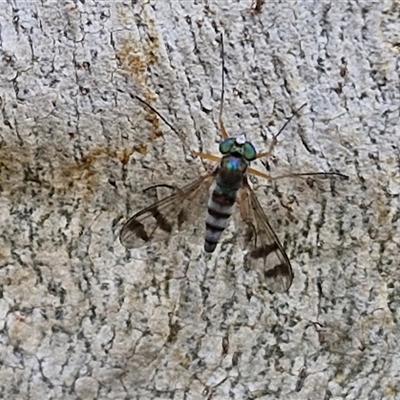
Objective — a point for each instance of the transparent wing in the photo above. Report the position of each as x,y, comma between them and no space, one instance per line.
264,252
168,216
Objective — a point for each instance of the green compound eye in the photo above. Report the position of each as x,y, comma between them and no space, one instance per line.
249,152
226,146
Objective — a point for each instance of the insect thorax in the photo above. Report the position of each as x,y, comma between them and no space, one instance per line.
231,172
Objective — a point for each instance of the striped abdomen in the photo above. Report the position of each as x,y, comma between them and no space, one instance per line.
219,209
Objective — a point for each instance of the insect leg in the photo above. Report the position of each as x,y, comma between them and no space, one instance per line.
205,156
293,175
224,133
274,140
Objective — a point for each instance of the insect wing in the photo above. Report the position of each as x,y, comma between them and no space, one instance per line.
265,254
172,214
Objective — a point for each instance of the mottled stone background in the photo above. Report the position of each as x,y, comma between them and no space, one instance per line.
81,317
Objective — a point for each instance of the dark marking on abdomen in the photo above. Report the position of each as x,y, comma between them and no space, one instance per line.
219,210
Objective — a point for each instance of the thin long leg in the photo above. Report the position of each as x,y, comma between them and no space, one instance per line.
301,175
270,150
255,172
224,133
274,140
179,134
205,156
